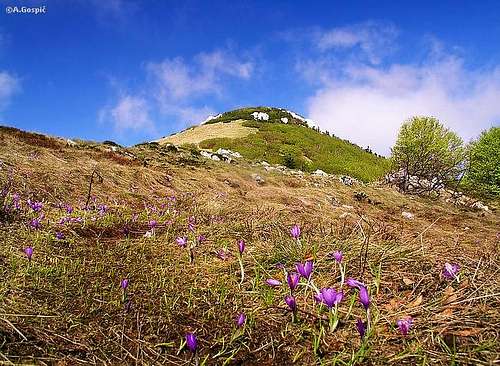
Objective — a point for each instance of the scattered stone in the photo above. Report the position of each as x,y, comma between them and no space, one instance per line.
347,180
348,207
284,120
480,206
265,163
320,173
258,179
407,215
361,196
71,143
206,154
228,153
261,116
214,157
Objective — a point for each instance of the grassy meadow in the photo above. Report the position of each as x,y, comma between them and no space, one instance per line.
171,224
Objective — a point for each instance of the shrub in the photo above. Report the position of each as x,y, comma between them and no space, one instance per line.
427,155
483,173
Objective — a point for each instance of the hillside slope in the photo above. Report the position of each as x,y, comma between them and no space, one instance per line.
67,304
282,137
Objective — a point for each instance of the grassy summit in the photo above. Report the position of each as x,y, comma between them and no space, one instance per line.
286,138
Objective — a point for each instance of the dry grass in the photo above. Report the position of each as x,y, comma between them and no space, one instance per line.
209,131
65,307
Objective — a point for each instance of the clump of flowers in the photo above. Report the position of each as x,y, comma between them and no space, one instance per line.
364,299
35,205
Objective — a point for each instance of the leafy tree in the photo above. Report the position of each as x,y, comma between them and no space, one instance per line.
483,173
427,155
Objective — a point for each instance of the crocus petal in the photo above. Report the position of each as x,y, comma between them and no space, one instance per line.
272,282
191,342
364,298
241,319
338,256
124,283
290,301
295,231
293,280
351,282
361,326
241,246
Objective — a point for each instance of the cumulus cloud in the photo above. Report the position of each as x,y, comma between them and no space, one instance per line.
372,39
176,79
177,84
175,88
9,85
129,113
366,102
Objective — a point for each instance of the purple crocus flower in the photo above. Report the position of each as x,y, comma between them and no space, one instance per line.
102,209
124,284
191,342
222,254
69,209
241,319
337,255
36,223
35,206
241,246
305,269
16,201
364,298
351,282
59,235
295,231
331,297
182,241
153,224
191,222
290,301
293,280
318,297
29,252
404,325
361,326
201,238
450,271
272,282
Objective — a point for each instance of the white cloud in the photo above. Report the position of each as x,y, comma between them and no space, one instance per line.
175,79
367,104
176,84
9,85
370,40
173,88
130,113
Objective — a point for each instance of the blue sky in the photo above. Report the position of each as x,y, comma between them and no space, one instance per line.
136,70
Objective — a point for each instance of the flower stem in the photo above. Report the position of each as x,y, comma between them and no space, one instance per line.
242,271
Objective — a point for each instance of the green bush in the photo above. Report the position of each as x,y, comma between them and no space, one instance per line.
483,172
425,149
